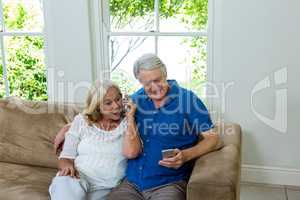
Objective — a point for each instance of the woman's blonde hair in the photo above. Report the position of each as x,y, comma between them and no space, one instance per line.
94,98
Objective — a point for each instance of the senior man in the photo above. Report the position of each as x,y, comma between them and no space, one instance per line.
168,117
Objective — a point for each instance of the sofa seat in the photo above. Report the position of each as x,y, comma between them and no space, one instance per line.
23,182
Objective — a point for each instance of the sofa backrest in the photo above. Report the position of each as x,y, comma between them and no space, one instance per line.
28,128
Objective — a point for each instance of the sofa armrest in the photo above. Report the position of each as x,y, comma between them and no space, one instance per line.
216,175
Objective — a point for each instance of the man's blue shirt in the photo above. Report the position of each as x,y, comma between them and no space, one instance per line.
177,124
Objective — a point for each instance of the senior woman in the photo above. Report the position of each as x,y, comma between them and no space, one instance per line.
99,141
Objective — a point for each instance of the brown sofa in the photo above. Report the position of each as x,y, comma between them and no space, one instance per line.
28,162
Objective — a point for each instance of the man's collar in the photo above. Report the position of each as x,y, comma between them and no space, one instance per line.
173,88
172,92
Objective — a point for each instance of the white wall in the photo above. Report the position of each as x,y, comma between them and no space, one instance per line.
253,39
68,49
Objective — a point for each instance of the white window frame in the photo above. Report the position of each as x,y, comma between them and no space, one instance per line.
4,33
100,20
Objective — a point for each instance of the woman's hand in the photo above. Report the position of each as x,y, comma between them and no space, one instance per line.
132,109
60,137
66,168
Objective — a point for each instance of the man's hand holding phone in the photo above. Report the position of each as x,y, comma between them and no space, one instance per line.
168,153
172,158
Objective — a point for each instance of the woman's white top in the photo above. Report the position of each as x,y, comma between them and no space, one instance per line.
97,153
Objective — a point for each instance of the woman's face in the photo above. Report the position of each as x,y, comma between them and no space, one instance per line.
111,106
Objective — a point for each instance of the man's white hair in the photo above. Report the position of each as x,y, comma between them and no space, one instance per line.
148,62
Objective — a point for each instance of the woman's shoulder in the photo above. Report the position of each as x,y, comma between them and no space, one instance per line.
80,119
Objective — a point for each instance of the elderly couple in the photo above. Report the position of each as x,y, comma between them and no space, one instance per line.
109,154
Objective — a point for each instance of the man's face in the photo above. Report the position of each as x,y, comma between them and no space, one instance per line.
154,83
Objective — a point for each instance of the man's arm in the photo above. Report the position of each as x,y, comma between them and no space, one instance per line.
60,138
210,142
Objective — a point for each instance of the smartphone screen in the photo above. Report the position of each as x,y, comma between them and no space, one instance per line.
168,153
125,103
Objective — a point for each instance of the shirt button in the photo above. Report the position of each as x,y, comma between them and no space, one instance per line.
147,140
144,154
141,168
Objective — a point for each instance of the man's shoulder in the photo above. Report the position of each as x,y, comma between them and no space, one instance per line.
185,90
186,93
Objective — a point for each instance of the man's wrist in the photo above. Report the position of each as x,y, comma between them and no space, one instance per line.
186,154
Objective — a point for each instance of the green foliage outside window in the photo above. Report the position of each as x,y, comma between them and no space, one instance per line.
24,55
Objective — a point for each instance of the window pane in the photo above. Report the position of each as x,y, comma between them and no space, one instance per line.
23,15
131,15
123,52
25,67
2,85
183,15
185,58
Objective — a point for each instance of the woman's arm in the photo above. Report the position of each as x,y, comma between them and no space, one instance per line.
132,146
69,151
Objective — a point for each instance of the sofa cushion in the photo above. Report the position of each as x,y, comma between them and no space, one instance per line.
23,182
28,129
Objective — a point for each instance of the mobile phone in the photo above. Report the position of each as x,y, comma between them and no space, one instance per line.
168,153
125,103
